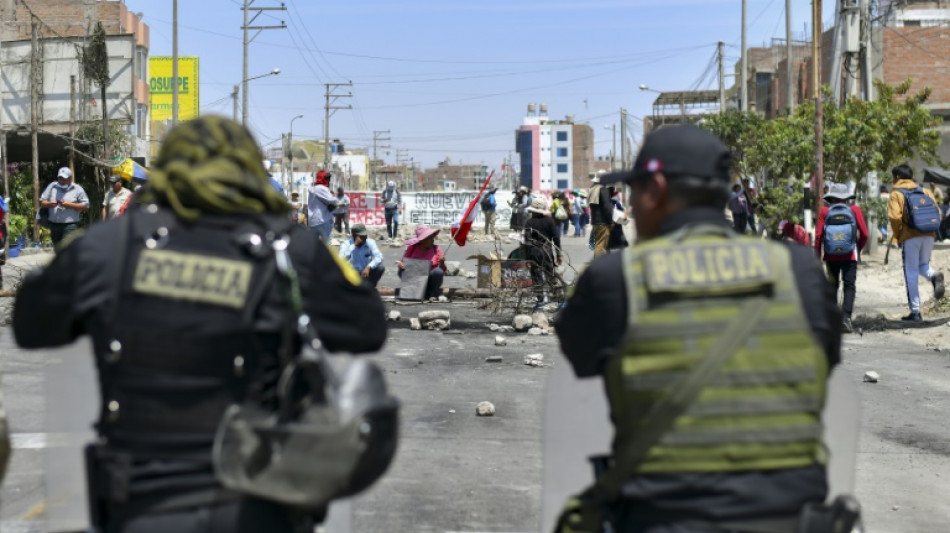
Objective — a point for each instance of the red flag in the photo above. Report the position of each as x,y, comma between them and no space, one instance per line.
461,228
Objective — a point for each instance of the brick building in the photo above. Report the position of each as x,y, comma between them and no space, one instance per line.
459,177
62,29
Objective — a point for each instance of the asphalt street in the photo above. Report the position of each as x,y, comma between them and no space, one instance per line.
457,472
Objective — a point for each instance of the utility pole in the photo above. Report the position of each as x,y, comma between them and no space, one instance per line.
623,139
35,121
377,136
722,82
789,85
247,26
816,94
867,69
329,109
744,65
3,157
72,123
174,63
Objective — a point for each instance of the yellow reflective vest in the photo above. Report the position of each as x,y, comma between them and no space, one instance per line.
761,409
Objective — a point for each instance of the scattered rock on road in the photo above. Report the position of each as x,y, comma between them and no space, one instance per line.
485,409
443,299
394,316
540,320
494,359
493,327
437,324
452,268
534,359
522,322
434,315
500,341
535,331
505,329
871,376
414,324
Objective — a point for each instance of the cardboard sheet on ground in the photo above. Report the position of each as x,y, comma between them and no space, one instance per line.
414,279
577,426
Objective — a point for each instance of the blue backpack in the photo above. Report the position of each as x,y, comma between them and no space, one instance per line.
921,210
841,230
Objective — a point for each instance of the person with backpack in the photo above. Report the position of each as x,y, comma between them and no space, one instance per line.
841,233
915,218
488,205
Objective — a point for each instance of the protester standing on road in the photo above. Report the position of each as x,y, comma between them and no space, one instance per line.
392,203
542,239
423,246
519,207
750,324
341,215
65,200
320,205
115,198
577,211
189,316
617,240
601,216
841,233
914,236
739,207
364,255
489,205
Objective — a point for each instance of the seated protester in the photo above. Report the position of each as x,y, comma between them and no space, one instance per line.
423,246
362,252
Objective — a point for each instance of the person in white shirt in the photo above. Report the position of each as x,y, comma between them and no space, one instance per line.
115,198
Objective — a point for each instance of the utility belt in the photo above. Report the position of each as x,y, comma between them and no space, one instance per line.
118,489
590,513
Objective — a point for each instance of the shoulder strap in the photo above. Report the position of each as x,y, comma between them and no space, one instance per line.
684,392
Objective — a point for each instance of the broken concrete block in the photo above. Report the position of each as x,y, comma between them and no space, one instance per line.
414,324
438,324
871,376
546,331
522,322
500,341
534,359
443,299
535,331
540,320
394,316
452,268
505,329
485,409
493,326
494,359
434,315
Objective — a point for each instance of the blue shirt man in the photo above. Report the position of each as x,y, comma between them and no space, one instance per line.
364,255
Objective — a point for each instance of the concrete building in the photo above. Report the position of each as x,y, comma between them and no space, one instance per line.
554,154
63,27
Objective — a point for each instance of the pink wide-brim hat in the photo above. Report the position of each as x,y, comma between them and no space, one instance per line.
422,233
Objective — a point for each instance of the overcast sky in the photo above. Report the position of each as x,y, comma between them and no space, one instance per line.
452,78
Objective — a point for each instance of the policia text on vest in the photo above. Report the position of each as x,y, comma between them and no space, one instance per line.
722,266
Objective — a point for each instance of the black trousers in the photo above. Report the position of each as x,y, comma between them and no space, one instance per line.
59,231
392,224
846,271
242,516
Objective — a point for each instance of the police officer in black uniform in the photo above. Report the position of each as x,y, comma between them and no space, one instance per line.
744,452
187,314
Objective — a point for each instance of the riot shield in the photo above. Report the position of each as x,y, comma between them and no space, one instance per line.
577,427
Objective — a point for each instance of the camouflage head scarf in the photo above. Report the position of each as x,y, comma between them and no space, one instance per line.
211,165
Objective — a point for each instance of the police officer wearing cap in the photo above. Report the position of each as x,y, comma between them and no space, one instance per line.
188,316
714,354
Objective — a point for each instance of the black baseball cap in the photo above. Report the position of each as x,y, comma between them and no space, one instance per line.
682,150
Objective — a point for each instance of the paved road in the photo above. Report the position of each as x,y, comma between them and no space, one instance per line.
456,472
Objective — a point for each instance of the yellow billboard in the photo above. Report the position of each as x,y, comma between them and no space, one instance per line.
160,87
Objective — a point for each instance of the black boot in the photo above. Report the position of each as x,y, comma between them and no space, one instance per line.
938,285
914,316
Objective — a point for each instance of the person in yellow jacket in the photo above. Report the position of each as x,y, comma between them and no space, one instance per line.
916,245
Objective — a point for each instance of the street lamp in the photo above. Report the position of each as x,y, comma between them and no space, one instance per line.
274,72
290,148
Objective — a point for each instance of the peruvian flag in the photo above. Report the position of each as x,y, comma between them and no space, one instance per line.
461,228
